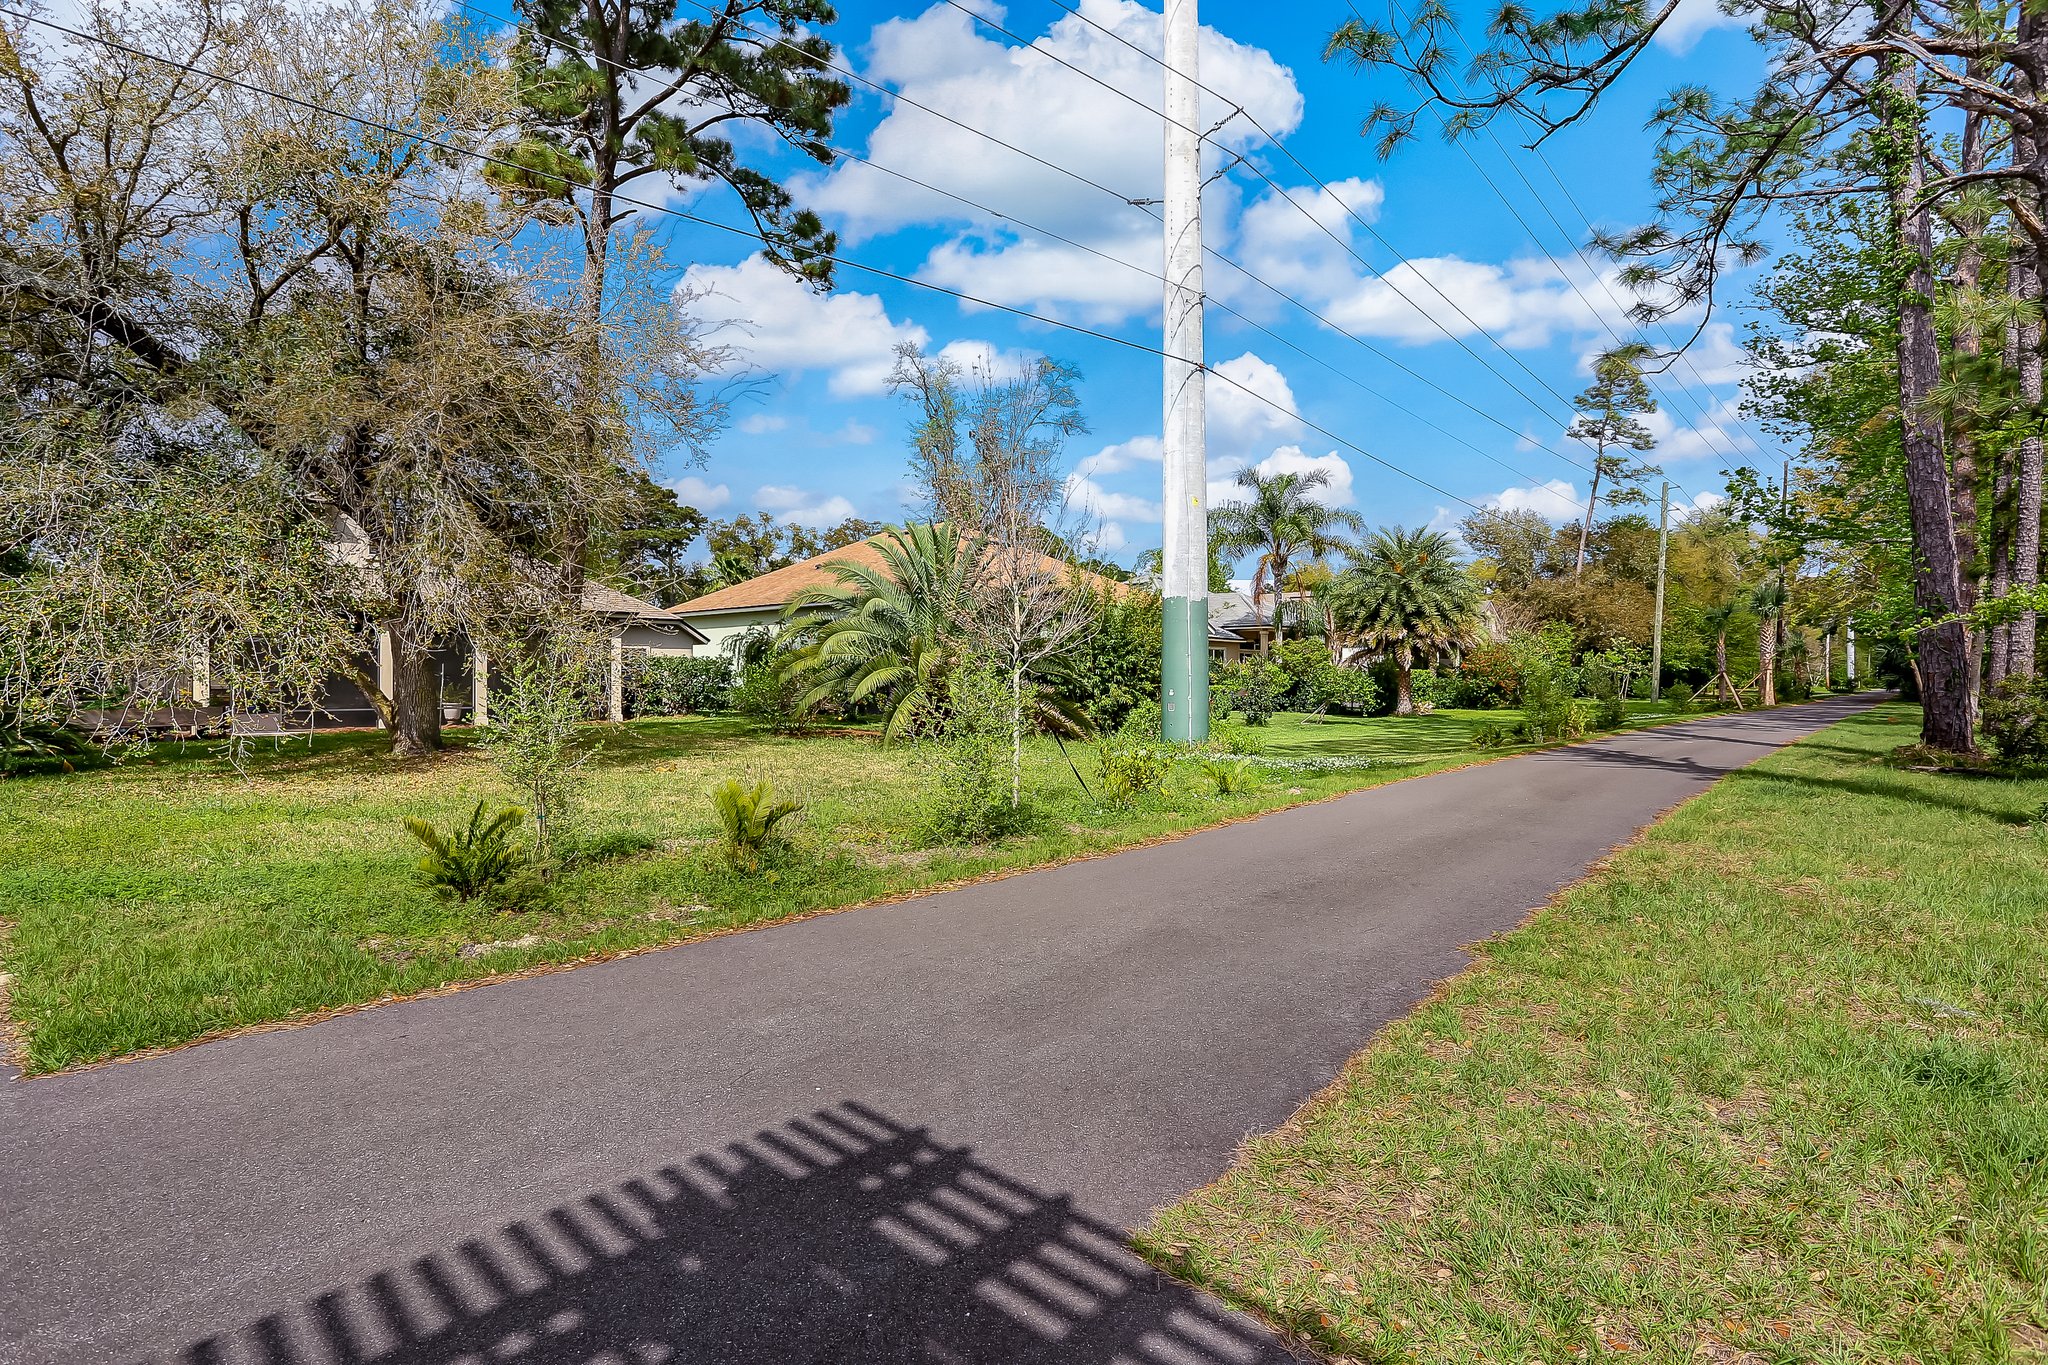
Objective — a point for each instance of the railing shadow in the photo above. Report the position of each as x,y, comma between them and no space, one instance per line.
842,1237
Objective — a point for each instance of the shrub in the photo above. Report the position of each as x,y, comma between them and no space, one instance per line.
766,694
534,714
1229,737
749,815
686,686
31,747
2016,722
1253,689
969,798
1486,678
1610,707
1231,776
1130,767
471,861
1679,696
1493,735
1549,712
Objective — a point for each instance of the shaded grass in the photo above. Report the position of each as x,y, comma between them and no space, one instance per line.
173,897
1771,1087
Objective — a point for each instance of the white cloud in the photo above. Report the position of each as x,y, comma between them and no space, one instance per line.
1240,421
979,358
700,493
1096,503
942,60
1691,20
1556,500
1114,459
854,432
1303,241
1105,539
776,323
1708,431
761,423
1523,303
1293,460
803,506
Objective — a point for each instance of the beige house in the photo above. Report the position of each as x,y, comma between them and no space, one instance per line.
723,615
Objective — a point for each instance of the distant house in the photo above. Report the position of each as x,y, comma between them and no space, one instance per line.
732,611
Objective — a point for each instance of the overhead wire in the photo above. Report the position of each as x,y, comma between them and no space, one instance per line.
571,186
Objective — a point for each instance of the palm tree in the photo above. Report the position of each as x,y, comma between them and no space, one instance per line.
1719,620
1768,602
1281,520
884,631
1406,592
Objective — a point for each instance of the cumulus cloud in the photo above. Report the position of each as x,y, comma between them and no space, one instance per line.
941,59
1115,459
761,423
1302,241
1525,302
1555,500
1292,460
774,323
1690,21
803,506
1241,422
701,494
1704,431
1091,500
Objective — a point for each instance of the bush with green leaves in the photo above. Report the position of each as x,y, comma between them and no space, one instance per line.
690,685
2015,723
1549,711
1494,735
1231,776
1253,689
1113,667
473,860
748,816
773,697
969,798
31,747
536,704
1679,696
1228,736
1131,766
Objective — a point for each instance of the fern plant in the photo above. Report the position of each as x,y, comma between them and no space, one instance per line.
749,816
470,861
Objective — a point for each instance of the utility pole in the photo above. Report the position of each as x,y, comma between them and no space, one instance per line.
1657,626
1184,661
1849,659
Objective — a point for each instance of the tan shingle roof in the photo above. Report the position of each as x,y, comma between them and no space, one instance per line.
779,587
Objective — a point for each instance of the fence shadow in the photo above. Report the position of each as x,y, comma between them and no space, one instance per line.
842,1237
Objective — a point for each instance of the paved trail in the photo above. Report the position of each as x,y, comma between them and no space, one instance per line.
905,1133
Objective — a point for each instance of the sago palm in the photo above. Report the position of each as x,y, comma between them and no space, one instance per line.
1406,593
884,632
1281,520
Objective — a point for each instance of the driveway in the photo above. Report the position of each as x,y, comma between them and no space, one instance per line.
905,1133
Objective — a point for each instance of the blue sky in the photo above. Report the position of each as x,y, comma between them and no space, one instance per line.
815,436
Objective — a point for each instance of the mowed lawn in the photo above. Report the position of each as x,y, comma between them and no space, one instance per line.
1772,1087
174,897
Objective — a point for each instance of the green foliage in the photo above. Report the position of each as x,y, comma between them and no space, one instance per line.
1549,712
767,694
473,861
1606,683
969,797
1113,667
1407,594
1679,696
1231,776
748,816
1488,676
688,686
1252,689
1131,766
31,747
536,705
1279,518
2016,723
1494,735
1227,736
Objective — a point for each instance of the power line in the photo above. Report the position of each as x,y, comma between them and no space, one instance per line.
572,186
1260,327
1280,146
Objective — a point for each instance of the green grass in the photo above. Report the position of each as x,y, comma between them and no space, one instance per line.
174,897
1772,1087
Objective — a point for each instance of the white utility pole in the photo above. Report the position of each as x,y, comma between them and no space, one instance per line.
1849,635
1184,665
1657,622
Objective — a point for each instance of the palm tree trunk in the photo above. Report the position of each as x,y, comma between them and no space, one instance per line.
1404,670
1767,664
1279,597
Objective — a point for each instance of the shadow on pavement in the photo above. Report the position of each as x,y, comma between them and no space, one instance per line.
843,1237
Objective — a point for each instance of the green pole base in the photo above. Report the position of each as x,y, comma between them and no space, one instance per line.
1184,671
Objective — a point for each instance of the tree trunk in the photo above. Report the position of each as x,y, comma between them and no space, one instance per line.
1767,663
1963,468
415,696
2025,273
1404,671
1947,700
1016,738
1586,527
1279,599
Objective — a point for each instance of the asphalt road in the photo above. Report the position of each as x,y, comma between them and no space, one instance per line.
904,1133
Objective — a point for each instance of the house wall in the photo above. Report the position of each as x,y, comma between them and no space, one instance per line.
658,641
724,625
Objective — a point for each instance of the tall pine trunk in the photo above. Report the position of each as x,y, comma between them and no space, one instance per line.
1948,699
2026,286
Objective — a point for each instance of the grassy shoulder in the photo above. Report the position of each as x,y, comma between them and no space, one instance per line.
1772,1086
173,897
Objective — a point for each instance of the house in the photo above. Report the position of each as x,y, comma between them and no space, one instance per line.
1237,629
722,616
